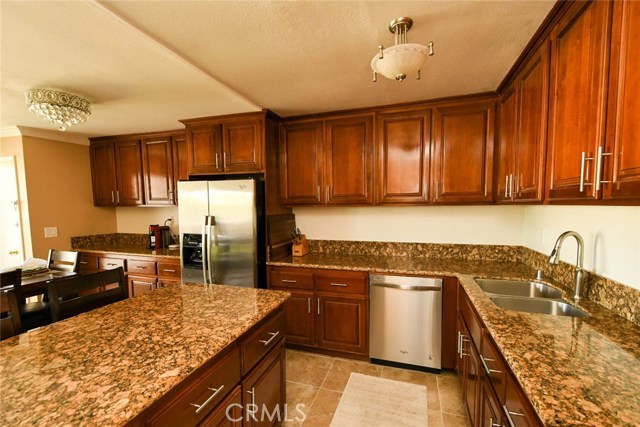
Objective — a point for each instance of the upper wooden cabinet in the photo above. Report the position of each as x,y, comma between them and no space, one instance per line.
522,120
226,144
157,165
327,161
116,168
619,160
403,142
577,105
462,166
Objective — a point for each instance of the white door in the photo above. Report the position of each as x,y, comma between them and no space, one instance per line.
11,251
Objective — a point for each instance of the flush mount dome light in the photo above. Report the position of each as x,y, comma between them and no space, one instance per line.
58,108
403,59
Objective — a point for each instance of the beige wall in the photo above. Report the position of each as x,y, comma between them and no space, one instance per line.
58,179
138,219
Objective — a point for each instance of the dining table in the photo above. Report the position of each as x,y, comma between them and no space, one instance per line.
36,284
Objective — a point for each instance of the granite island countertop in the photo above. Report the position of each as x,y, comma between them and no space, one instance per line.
104,367
576,372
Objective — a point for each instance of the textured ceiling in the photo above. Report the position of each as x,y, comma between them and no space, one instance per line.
145,65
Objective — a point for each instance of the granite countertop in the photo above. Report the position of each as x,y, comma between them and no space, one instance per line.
131,250
576,372
104,367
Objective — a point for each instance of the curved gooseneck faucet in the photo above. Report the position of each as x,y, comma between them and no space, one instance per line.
555,256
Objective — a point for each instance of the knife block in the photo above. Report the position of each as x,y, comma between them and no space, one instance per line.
300,247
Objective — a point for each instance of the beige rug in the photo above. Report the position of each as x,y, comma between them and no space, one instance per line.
378,402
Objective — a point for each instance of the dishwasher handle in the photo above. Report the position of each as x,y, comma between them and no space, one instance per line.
407,287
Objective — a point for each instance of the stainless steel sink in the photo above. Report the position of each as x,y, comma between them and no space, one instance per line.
539,306
518,288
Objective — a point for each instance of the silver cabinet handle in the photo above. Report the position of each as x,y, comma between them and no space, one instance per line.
273,336
492,424
252,392
113,198
506,186
599,162
583,159
118,196
112,264
318,305
140,268
171,196
327,199
508,413
437,189
217,167
308,305
463,339
486,368
209,399
511,185
342,285
84,262
459,342
224,159
288,281
168,271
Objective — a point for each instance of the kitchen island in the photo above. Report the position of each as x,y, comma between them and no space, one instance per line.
128,362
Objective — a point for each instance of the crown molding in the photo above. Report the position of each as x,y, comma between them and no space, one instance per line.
53,135
9,131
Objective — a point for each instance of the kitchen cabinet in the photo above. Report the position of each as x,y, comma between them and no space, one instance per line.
403,144
227,144
140,285
327,162
522,133
116,167
469,372
577,106
180,159
462,164
157,166
328,309
619,160
228,413
490,413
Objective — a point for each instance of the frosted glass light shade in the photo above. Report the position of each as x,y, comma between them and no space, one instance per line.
58,108
400,61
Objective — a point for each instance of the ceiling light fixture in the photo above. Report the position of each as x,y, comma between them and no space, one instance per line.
404,58
58,108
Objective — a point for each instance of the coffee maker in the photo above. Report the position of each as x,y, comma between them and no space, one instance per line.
159,236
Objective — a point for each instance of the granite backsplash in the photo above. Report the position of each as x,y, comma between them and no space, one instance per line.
99,241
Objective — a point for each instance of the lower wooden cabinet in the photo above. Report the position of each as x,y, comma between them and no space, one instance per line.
141,285
469,373
328,309
228,414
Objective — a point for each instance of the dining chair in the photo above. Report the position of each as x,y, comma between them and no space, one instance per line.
85,292
62,260
32,314
10,324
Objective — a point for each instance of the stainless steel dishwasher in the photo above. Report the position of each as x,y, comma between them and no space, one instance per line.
405,320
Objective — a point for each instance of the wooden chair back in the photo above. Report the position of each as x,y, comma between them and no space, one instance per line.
62,260
86,292
13,278
10,323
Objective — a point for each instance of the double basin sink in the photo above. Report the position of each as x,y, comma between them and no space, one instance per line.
527,296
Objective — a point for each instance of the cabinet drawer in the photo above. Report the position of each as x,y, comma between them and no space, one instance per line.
206,391
87,263
141,267
470,318
493,365
168,270
342,282
228,413
291,279
107,263
262,340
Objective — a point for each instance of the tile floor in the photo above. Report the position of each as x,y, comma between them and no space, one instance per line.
318,382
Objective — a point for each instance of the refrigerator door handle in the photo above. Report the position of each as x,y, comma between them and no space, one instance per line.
205,247
211,241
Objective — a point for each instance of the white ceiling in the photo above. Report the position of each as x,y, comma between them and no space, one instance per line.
146,65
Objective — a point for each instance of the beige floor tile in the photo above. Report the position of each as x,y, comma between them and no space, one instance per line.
435,419
419,378
451,420
322,409
341,370
451,396
299,394
307,368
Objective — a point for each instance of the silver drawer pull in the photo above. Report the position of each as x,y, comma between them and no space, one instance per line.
342,285
84,262
486,368
492,424
140,268
508,413
209,399
112,264
273,336
169,271
288,281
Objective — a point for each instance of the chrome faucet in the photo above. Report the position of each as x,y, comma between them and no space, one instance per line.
555,255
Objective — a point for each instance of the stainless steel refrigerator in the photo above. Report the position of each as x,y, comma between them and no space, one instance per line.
220,232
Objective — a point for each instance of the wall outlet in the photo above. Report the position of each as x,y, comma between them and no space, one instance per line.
51,232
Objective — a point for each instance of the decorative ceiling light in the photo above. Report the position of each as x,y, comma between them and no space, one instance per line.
58,108
398,61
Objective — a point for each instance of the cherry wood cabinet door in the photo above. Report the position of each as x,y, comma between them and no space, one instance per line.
349,160
490,413
579,48
507,140
301,163
180,161
342,323
472,378
300,318
129,173
103,170
140,285
157,165
242,146
264,389
229,413
403,156
204,149
622,165
463,154
517,406
533,89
